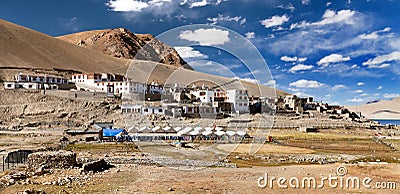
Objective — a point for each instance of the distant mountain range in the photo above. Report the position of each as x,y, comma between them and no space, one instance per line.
382,109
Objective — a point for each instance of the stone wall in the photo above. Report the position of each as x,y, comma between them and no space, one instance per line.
52,159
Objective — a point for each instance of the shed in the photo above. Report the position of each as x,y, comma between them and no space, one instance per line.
113,133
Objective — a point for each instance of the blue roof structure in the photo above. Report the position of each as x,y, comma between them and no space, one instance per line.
112,132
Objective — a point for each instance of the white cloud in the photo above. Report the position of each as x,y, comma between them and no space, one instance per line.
305,2
222,18
300,67
201,3
339,87
379,61
250,35
328,4
360,83
138,9
206,37
358,91
288,59
302,83
387,29
333,58
302,59
330,17
293,59
288,6
342,16
189,53
127,5
373,35
242,21
392,95
355,100
317,37
183,2
379,87
274,21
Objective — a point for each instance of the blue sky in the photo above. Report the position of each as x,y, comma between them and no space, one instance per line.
342,52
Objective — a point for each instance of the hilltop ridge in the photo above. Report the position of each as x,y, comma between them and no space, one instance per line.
122,43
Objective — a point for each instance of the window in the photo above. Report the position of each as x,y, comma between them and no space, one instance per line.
202,93
240,97
240,104
8,85
160,110
245,104
146,110
30,86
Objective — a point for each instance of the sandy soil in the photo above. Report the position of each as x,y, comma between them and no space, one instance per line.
153,179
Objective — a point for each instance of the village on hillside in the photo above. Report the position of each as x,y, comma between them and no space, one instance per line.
155,102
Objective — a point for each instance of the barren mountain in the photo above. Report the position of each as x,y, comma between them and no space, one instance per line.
122,43
29,51
384,109
22,48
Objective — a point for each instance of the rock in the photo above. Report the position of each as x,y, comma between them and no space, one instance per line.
52,160
96,166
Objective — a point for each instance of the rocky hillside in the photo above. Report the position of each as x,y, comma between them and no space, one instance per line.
121,43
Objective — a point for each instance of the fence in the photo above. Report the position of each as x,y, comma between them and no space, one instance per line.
14,159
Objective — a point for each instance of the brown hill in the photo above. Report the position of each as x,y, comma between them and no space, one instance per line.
122,43
23,49
384,109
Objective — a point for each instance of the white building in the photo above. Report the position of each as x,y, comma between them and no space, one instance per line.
239,99
141,109
40,79
205,96
113,84
34,82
